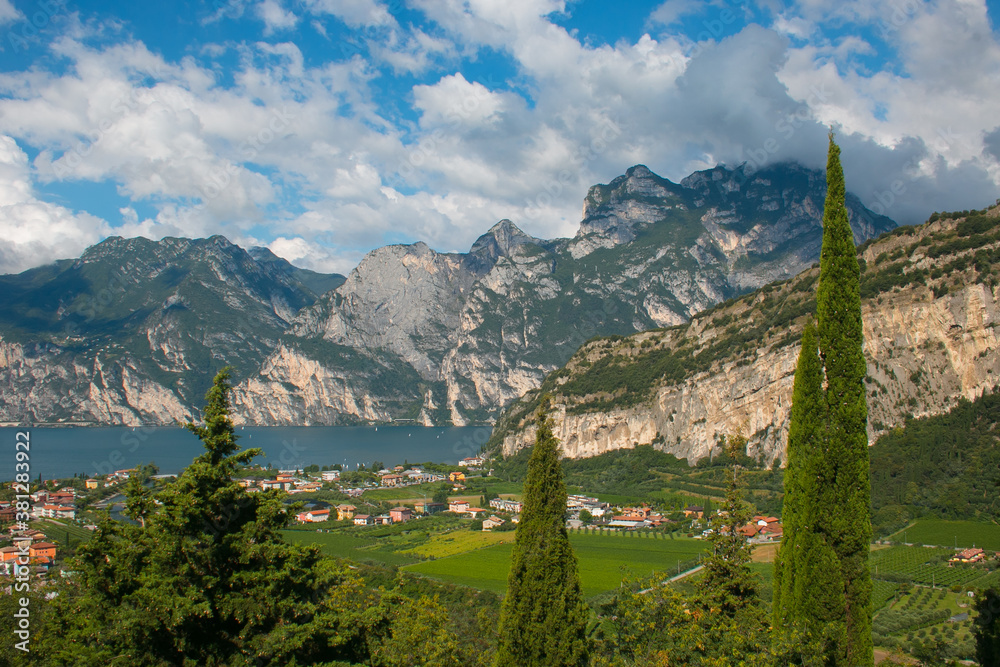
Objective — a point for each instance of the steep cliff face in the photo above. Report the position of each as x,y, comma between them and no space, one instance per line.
931,314
133,330
481,328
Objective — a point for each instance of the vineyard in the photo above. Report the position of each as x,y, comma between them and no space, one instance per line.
920,565
883,592
920,600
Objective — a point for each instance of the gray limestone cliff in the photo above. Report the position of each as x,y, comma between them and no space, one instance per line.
931,312
459,336
133,331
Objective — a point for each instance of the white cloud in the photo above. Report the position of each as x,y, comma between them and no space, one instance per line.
355,13
307,155
672,11
8,12
34,232
275,17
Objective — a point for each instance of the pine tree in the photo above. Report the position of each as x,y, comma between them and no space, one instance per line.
822,581
205,578
728,584
543,619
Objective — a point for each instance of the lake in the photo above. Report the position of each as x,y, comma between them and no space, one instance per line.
63,452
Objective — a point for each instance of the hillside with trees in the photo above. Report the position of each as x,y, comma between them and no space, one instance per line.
947,466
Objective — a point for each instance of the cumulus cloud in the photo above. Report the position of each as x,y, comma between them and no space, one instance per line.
34,232
309,158
275,17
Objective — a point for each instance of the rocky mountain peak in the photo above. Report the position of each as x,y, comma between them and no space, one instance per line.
501,240
450,337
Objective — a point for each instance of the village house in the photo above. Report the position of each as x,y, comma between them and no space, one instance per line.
330,475
628,521
279,484
592,505
968,556
383,520
475,512
363,520
643,511
472,461
428,507
418,476
506,505
493,522
306,487
120,475
313,516
457,476
458,506
400,514
772,532
345,512
92,484
42,552
50,511
393,480
696,511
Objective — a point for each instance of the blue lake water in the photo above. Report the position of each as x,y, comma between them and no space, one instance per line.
63,452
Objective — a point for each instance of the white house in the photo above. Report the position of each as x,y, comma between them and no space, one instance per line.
313,516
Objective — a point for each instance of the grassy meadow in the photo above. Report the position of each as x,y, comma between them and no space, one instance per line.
604,560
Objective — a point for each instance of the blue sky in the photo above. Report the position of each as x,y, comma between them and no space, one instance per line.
326,128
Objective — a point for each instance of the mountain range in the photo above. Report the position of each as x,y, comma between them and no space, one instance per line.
133,330
931,318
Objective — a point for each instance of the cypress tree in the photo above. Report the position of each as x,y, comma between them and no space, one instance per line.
543,619
823,585
805,432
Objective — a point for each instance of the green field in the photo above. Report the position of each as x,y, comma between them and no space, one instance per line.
417,491
354,548
604,561
949,533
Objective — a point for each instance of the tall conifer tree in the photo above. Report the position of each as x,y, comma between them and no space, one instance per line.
823,585
805,432
543,620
